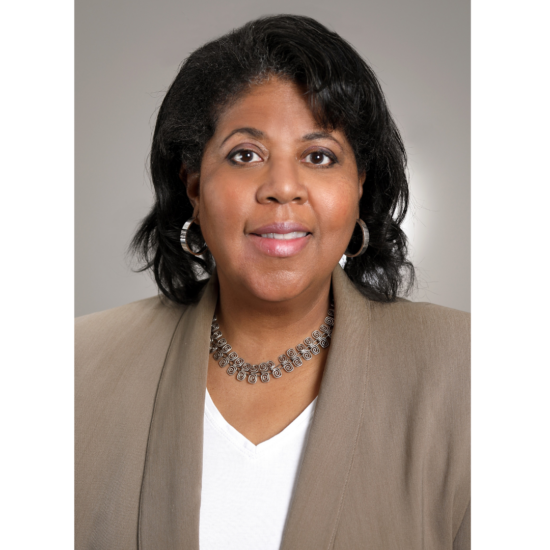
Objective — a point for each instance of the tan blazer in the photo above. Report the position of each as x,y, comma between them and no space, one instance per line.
387,462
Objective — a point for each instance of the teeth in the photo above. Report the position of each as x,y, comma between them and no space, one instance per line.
285,236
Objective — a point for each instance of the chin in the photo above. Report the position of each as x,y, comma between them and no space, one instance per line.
276,285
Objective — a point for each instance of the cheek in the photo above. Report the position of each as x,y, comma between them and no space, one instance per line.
338,209
223,208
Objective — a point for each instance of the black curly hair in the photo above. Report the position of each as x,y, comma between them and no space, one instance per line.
343,93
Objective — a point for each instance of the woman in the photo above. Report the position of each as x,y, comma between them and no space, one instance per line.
271,399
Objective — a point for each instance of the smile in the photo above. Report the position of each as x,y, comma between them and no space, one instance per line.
280,239
284,236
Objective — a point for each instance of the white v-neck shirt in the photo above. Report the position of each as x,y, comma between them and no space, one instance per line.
247,488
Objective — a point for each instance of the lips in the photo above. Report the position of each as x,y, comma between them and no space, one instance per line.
282,239
281,228
284,236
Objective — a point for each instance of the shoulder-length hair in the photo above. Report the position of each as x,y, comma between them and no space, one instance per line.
343,93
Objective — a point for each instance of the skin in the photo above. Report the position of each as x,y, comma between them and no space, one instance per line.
285,169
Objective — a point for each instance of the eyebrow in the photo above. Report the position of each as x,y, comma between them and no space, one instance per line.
254,132
320,135
258,134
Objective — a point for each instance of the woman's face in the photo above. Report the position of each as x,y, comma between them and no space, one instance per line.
277,196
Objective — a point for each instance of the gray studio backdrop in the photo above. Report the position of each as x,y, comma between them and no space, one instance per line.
129,51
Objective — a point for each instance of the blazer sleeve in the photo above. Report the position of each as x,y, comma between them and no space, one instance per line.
463,537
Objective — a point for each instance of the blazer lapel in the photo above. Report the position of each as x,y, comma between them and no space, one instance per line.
324,473
171,487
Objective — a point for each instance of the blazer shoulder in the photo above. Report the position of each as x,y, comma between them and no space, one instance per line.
147,307
422,314
431,334
141,315
123,332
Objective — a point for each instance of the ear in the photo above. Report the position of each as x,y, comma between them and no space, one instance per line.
361,182
192,186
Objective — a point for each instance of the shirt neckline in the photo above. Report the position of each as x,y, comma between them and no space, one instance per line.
244,444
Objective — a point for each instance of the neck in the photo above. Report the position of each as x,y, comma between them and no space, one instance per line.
260,330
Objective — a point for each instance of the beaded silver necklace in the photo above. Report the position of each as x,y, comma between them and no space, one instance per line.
287,361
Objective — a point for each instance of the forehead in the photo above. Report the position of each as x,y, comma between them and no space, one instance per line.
273,103
278,108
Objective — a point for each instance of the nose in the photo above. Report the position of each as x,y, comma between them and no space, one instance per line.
282,183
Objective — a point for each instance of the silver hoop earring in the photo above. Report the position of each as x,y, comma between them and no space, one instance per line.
365,242
183,239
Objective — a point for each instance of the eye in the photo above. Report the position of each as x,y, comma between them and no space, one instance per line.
244,156
320,158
